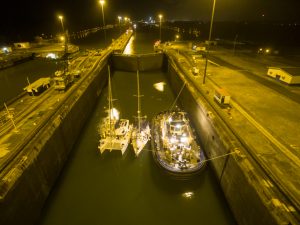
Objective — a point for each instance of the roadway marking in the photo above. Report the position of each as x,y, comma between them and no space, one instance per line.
212,62
271,138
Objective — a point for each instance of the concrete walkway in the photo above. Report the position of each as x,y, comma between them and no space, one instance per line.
263,119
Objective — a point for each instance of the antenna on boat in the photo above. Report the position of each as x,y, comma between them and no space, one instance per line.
172,106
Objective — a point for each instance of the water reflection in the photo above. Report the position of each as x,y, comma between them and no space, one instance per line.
159,86
129,50
188,194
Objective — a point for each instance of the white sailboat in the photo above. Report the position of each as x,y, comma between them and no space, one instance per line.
141,131
114,132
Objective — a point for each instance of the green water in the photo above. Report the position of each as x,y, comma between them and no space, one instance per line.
115,190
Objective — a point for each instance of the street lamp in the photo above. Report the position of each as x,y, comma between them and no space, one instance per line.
102,2
62,23
119,18
160,17
209,38
134,27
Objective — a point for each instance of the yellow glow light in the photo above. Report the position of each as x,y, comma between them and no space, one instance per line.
159,86
102,2
114,114
129,47
188,194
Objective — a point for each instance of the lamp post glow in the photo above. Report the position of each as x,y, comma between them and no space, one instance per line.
209,38
62,23
119,18
160,17
102,2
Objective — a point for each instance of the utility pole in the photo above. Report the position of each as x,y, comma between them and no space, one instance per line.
209,38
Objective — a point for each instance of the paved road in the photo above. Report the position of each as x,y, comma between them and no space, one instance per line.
282,89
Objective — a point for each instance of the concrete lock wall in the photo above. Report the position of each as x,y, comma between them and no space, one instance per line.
129,62
239,175
41,161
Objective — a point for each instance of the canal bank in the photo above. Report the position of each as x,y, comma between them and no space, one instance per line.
248,188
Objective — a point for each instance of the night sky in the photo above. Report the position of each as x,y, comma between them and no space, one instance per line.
20,19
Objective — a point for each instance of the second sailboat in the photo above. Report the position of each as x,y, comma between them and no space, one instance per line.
141,131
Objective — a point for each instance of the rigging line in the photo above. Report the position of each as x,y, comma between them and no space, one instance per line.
206,160
217,157
172,106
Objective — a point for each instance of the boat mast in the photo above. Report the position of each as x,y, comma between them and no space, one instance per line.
109,102
138,96
139,112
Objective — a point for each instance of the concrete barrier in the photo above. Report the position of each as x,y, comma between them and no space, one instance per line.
25,188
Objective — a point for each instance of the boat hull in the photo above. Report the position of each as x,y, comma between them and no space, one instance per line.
116,139
140,139
179,162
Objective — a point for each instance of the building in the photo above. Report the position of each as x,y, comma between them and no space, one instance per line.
22,45
5,50
288,75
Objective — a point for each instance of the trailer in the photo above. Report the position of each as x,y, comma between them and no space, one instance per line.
38,86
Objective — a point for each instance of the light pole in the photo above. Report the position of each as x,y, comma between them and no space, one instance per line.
119,18
134,27
160,17
62,23
209,38
64,39
102,2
